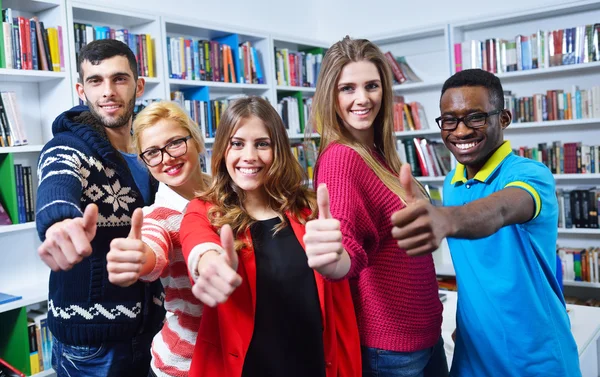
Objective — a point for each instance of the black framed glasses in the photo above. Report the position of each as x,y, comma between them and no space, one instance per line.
475,120
174,148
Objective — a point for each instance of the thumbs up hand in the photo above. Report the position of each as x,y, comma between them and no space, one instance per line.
127,256
68,241
217,276
419,227
323,241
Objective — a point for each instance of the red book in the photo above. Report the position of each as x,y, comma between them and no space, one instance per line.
5,365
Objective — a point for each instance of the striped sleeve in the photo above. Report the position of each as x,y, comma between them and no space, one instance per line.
537,180
157,238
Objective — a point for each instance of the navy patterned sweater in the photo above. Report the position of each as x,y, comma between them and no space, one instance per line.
77,167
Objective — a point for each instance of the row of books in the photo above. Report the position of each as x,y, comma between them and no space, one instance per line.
409,116
542,49
293,68
25,198
578,208
401,70
203,60
12,128
426,158
565,158
142,45
306,154
580,264
554,105
25,43
289,109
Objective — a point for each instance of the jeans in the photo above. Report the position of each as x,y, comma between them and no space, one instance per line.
130,358
430,362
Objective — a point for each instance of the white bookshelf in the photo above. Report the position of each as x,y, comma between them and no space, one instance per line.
31,294
5,229
29,148
136,21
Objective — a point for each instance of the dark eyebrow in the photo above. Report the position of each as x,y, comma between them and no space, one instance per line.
116,74
258,139
468,112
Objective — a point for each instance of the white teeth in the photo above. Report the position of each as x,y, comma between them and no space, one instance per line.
360,112
249,171
465,146
174,168
110,107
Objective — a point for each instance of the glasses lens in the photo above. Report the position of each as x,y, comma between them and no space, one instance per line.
476,120
152,157
448,123
177,147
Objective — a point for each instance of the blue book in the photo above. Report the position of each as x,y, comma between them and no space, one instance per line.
259,73
6,298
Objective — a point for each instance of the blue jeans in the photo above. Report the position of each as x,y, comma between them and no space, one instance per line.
430,362
111,359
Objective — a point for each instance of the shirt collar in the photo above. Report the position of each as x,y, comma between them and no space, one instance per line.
166,197
488,168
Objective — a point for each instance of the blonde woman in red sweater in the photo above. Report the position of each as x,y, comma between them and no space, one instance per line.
267,312
395,296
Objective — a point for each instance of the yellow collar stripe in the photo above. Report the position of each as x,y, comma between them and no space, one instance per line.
488,168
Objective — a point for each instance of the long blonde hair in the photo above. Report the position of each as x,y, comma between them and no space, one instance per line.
284,180
157,111
328,123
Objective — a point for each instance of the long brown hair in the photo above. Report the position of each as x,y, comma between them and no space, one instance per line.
328,123
157,111
285,178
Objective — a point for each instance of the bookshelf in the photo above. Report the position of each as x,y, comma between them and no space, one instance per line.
134,21
304,87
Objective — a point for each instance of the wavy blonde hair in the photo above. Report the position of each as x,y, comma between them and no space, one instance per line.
284,179
329,124
165,110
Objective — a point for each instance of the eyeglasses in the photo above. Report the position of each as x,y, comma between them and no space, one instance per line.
175,148
476,120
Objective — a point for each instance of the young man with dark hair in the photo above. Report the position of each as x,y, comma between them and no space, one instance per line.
500,215
90,184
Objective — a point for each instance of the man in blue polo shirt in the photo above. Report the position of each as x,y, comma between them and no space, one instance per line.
500,215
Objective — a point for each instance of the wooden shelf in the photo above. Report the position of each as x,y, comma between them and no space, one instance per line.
17,227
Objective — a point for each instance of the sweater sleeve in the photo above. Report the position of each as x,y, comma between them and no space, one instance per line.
197,235
61,170
340,168
157,238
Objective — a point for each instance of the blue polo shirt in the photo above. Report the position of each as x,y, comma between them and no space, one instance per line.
511,316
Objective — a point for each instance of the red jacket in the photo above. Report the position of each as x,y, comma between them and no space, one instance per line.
226,330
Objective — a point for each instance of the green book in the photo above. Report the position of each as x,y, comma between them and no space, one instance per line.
8,187
2,57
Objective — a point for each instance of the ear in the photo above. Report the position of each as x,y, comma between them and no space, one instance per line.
505,118
80,91
140,86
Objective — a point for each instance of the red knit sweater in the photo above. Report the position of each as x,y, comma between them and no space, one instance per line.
395,296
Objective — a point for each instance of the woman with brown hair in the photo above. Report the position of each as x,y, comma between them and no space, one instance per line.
267,313
398,310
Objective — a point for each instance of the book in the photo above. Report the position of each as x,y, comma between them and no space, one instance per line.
5,298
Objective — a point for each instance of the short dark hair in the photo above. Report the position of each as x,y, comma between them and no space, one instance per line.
478,77
98,50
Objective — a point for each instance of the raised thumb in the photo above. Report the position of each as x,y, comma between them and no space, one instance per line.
323,202
227,244
137,219
90,219
408,184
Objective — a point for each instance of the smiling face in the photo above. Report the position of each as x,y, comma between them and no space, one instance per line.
174,172
359,99
249,156
472,147
110,89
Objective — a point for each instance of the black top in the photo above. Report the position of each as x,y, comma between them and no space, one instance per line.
288,331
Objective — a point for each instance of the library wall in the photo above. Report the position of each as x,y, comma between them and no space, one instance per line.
261,15
353,18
